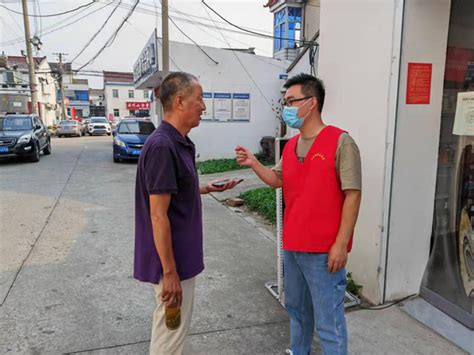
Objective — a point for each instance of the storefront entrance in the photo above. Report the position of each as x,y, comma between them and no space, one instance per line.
448,282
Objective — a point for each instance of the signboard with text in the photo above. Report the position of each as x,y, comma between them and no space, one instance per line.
222,106
138,105
147,62
241,107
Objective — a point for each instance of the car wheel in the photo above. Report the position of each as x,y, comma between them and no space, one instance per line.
117,160
36,154
59,136
47,150
108,134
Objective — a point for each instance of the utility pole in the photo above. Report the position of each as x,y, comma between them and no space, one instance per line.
61,84
31,62
165,39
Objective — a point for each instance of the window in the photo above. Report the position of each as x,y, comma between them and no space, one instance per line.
132,112
116,112
136,127
131,94
81,95
287,28
146,94
115,93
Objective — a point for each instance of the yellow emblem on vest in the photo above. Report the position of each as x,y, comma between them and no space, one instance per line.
319,156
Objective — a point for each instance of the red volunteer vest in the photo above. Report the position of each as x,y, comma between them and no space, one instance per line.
312,194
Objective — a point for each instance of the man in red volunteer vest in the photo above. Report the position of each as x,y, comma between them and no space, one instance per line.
320,173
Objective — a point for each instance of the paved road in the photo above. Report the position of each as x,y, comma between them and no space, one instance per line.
66,236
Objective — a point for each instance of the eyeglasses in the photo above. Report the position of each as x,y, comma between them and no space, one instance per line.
290,102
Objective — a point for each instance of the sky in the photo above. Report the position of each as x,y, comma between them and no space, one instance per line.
71,32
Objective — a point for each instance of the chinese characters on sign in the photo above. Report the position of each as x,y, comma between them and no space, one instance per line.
138,105
419,84
207,98
222,106
464,118
226,107
241,107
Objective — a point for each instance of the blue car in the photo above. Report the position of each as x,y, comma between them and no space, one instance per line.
129,138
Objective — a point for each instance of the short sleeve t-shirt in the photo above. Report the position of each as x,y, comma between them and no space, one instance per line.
167,166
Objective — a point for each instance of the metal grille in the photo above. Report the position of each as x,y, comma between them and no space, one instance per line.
8,142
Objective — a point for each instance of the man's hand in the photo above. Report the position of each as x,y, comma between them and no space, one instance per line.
228,184
337,257
172,294
245,157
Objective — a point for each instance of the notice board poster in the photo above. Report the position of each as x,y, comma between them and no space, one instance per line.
209,113
222,106
419,83
241,107
464,118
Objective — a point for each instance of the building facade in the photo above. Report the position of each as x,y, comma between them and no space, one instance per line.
241,93
121,97
97,103
407,97
15,88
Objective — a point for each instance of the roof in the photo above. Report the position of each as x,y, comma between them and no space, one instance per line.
270,3
118,77
21,63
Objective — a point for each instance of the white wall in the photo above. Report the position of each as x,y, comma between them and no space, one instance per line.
416,150
120,103
218,139
312,14
356,39
46,94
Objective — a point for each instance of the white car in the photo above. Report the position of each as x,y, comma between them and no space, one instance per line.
99,125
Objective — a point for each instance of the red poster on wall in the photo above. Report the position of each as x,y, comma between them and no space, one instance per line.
419,83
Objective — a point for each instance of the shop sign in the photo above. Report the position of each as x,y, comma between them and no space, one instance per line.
147,62
138,105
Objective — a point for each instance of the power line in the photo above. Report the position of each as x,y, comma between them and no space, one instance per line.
113,37
51,15
257,33
192,40
148,12
55,29
245,69
98,31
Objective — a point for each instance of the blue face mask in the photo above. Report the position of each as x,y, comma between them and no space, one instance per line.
290,116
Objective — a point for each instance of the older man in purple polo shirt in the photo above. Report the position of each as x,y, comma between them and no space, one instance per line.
168,214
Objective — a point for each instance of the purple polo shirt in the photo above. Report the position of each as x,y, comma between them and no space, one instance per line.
167,166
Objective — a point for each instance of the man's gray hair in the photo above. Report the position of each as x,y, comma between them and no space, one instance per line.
179,83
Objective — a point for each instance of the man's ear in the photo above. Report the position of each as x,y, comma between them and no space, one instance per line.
178,102
314,104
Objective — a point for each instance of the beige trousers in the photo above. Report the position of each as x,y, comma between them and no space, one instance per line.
171,342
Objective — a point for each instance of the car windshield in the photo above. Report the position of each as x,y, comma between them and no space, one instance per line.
136,128
64,123
99,120
13,123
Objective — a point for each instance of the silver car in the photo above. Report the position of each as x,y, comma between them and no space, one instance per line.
69,128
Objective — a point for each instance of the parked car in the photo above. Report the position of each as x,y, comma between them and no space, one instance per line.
99,125
69,128
129,138
24,136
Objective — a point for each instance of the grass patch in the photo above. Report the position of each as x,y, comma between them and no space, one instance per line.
352,286
262,201
218,166
214,166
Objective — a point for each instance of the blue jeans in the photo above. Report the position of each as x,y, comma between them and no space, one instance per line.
315,297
